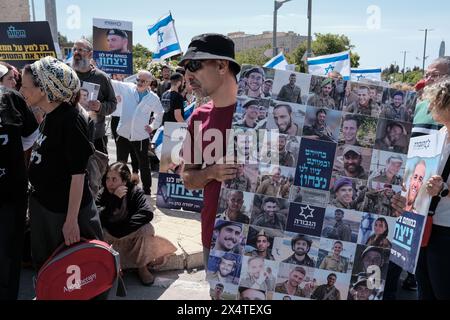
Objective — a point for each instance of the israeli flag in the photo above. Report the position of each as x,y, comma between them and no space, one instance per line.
157,141
369,74
188,110
166,38
69,58
278,62
323,65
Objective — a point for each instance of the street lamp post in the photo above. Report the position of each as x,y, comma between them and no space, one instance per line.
404,64
425,48
308,50
277,5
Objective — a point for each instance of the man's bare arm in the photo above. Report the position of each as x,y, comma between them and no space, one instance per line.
196,178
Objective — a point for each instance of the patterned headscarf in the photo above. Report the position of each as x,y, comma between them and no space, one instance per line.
59,81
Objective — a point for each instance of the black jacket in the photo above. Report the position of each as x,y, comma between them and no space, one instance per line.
138,211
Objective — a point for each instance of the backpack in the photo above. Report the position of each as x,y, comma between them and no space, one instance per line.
83,271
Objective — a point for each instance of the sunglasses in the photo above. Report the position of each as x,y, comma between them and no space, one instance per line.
141,81
194,65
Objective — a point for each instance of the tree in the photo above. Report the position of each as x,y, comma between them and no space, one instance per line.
254,56
325,44
141,57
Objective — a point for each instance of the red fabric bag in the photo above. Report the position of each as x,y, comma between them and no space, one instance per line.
427,231
79,272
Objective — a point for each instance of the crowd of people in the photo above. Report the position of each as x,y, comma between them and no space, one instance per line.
47,139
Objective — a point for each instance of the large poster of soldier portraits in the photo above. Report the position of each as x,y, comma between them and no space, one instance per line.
309,215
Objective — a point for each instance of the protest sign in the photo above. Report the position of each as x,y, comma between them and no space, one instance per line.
113,46
423,162
321,161
171,192
22,43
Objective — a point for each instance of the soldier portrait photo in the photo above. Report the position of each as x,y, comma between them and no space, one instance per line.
275,181
246,179
357,130
352,162
387,167
393,136
228,237
258,273
322,90
301,246
260,242
322,124
253,77
270,212
295,280
365,105
330,285
224,268
250,118
287,118
336,255
341,224
235,205
279,149
395,108
368,259
377,198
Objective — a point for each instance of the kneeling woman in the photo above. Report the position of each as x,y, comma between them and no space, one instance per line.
125,214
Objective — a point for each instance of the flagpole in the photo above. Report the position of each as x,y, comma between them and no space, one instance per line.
175,29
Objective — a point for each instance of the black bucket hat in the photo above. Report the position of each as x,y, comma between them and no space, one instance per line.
211,46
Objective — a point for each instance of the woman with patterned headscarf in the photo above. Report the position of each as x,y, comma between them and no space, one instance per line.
62,208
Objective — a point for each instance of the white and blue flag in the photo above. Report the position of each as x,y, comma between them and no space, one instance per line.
166,38
323,65
278,62
373,74
69,58
158,141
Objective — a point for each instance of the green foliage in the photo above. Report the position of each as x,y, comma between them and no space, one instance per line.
393,74
325,44
253,56
141,57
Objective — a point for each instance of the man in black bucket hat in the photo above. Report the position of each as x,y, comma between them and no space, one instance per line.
211,70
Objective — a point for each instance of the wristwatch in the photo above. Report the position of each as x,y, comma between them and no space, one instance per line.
445,191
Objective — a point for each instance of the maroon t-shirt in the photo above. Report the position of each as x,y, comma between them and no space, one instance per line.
210,118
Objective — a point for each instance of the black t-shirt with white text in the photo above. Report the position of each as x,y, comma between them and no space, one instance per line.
16,121
171,101
61,151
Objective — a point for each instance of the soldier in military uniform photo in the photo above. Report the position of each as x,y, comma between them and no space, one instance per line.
262,244
291,92
364,106
319,130
323,99
390,174
301,245
396,109
233,211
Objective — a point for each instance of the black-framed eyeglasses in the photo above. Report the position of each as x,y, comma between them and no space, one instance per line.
194,65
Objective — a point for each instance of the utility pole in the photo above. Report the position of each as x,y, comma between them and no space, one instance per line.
33,11
50,15
277,5
404,64
308,50
425,47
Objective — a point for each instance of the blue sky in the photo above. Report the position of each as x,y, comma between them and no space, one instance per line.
399,22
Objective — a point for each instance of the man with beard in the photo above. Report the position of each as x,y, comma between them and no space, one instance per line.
285,157
334,261
256,278
324,99
292,285
350,127
364,106
235,200
415,184
352,164
379,201
117,41
106,102
241,182
271,186
165,83
283,117
250,120
390,173
319,129
394,132
270,218
291,92
255,79
327,291
301,245
396,110
225,269
228,236
262,245
340,231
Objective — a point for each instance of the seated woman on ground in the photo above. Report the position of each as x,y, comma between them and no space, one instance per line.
125,215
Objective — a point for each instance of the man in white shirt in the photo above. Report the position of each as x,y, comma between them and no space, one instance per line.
139,102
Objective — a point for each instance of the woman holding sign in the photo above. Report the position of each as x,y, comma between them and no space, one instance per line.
434,261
